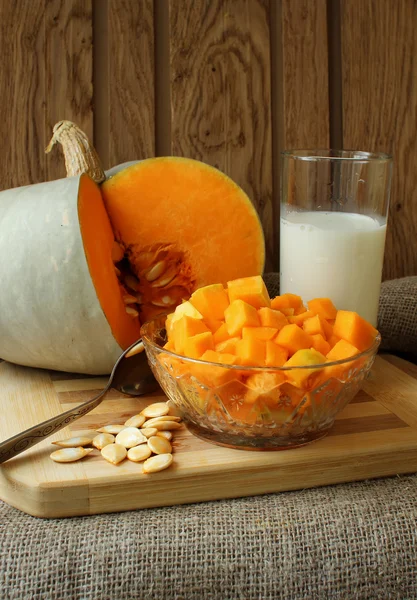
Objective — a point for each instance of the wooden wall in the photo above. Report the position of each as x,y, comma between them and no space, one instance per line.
230,82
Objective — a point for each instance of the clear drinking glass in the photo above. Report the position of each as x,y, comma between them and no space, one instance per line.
334,209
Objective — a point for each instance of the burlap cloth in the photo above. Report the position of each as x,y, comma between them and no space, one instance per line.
352,541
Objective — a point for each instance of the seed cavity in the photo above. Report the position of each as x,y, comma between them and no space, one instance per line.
129,299
132,311
117,252
131,282
155,271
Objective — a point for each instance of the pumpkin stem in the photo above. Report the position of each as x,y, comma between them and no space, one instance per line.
80,155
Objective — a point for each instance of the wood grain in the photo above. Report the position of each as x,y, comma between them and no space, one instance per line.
130,81
221,94
373,436
380,108
22,80
305,87
68,71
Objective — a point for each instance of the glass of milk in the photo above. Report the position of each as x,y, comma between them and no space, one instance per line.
334,209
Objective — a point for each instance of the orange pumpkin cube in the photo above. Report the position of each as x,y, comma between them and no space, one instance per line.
184,328
288,312
352,328
272,318
323,307
313,325
300,318
276,356
262,386
341,350
251,290
240,314
332,340
221,334
320,344
259,333
252,352
293,338
213,375
213,324
196,345
286,301
303,358
228,346
211,301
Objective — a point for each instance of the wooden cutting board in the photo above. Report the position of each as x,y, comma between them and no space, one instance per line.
376,435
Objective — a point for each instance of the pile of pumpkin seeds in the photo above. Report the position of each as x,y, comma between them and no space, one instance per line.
144,438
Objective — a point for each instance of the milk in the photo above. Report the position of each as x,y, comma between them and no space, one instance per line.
333,254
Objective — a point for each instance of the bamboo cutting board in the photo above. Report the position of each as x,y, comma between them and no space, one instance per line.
376,435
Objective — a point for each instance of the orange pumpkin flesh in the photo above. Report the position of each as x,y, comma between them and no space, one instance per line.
184,225
98,241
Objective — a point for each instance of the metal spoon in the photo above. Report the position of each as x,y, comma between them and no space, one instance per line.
131,375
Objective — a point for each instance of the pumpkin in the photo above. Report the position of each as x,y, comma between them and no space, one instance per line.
83,264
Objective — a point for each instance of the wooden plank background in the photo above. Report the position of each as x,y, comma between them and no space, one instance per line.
230,82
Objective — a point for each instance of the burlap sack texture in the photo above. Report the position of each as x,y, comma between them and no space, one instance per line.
397,318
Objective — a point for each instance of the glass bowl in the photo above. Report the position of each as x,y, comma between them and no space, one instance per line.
267,408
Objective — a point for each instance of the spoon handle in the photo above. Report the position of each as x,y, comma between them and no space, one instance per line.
32,436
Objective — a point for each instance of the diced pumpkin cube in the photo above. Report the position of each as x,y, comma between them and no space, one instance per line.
263,386
228,346
320,344
303,358
259,333
276,356
327,328
213,375
213,324
272,318
333,339
300,310
196,345
252,352
293,338
323,307
211,301
184,328
186,308
299,319
251,290
341,350
288,312
170,346
313,325
221,334
240,314
352,328
286,301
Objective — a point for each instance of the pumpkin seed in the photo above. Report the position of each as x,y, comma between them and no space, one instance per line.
114,429
157,463
74,442
132,282
158,409
129,437
164,301
159,445
164,434
135,421
118,272
129,299
139,453
166,278
150,422
166,425
155,271
70,454
114,453
139,298
131,311
103,439
149,431
117,252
